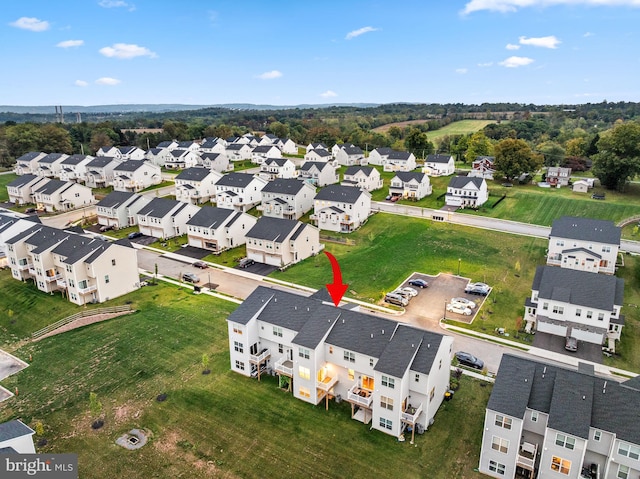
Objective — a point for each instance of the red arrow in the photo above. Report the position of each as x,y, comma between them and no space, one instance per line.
337,288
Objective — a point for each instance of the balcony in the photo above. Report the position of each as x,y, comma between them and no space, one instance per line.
260,357
327,383
55,277
87,289
411,414
359,396
22,267
554,259
61,283
284,366
527,456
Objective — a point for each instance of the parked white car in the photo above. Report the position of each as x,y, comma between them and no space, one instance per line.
455,308
464,302
407,292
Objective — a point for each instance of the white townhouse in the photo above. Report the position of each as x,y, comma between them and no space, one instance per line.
316,146
287,198
394,375
179,159
28,163
410,185
100,171
111,151
466,192
287,146
544,421
261,153
56,195
570,303
342,209
318,173
335,149
189,145
363,177
318,155
74,168
585,244
439,165
21,191
85,269
10,226
281,242
196,185
400,161
215,162
379,156
268,139
248,139
119,209
50,166
158,156
238,151
122,152
213,145
163,218
16,438
273,168
169,145
483,167
239,191
136,175
350,156
218,229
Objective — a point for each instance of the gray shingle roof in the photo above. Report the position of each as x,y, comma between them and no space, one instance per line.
582,250
580,288
399,155
193,174
51,158
400,351
75,159
262,149
586,229
383,151
277,161
29,156
345,194
353,150
14,429
321,152
23,180
240,180
159,207
210,217
52,186
272,229
438,158
236,146
307,165
116,199
406,176
130,165
352,170
462,181
287,186
101,161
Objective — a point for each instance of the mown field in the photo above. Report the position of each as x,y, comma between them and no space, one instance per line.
461,127
4,181
215,425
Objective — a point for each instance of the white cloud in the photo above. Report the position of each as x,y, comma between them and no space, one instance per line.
117,4
329,94
70,43
360,31
273,74
486,64
126,51
544,42
107,81
81,83
505,6
461,71
511,46
31,23
515,62
588,34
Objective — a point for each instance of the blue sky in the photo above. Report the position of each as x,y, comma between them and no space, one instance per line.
288,52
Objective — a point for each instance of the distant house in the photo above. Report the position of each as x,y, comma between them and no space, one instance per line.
410,185
316,146
111,151
287,146
318,173
189,145
216,162
400,161
379,156
335,149
261,153
169,145
136,175
557,176
158,156
584,244
196,185
364,177
100,171
16,438
122,153
287,198
11,225
179,159
281,242
218,229
120,209
56,195
74,168
21,191
238,151
483,167
466,192
350,156
273,168
318,155
239,191
342,209
28,163
164,218
213,145
439,165
50,166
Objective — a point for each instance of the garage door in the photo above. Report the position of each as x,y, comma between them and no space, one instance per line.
256,256
273,260
196,242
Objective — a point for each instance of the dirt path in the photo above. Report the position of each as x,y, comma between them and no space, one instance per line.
78,323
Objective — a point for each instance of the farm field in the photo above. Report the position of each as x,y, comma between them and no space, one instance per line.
461,127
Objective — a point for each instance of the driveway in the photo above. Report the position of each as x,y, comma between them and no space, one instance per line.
192,252
587,351
260,268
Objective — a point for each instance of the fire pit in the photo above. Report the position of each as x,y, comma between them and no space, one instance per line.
132,440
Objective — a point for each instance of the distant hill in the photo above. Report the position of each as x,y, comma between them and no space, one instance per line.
160,108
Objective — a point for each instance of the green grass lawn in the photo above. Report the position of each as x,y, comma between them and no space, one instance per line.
216,425
462,127
4,181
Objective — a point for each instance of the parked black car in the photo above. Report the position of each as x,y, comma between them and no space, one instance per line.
190,278
420,283
245,262
467,359
201,265
134,235
104,228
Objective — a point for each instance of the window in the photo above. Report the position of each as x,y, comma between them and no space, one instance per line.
600,316
304,373
502,421
386,403
627,450
386,423
351,374
545,306
106,279
330,349
303,353
349,356
280,348
432,393
239,365
237,330
606,249
277,331
597,435
578,312
589,314
558,309
565,441
496,467
304,392
534,416
113,262
371,362
623,472
417,378
389,382
560,465
238,347
499,444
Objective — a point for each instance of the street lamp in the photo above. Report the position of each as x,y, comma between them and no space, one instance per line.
459,259
445,310
209,282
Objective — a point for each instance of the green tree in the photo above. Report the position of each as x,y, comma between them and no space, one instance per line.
576,147
552,152
478,145
95,406
23,138
279,129
395,133
418,143
55,139
99,139
515,157
618,157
